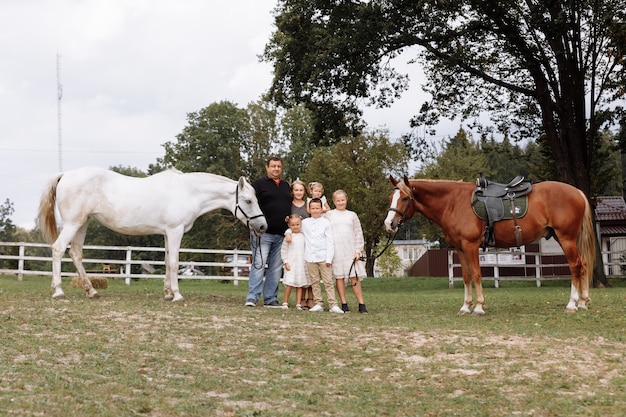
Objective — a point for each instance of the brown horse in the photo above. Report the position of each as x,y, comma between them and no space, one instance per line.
555,210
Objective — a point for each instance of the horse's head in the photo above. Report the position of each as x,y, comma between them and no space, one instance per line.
247,208
401,206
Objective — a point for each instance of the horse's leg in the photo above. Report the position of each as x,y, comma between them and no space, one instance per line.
76,253
467,284
478,282
172,248
471,274
576,269
167,283
58,249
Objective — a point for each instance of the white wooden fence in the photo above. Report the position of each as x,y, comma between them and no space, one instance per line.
123,268
614,262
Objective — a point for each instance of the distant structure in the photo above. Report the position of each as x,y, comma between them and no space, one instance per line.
59,97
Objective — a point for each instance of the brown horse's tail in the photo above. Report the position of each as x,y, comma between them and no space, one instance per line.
586,243
47,220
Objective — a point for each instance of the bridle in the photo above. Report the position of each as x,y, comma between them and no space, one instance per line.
237,207
400,212
390,238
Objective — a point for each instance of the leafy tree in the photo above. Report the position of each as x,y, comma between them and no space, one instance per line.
213,141
460,159
7,228
552,67
297,130
389,262
262,141
504,159
360,166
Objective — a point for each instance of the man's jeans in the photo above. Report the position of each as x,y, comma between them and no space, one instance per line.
268,252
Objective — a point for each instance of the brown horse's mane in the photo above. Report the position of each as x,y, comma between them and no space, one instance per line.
434,180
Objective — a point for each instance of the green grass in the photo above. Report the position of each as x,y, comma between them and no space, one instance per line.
130,353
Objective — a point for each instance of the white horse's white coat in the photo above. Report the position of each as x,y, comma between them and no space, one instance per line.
167,203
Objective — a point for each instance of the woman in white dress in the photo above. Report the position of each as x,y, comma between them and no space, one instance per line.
292,252
349,241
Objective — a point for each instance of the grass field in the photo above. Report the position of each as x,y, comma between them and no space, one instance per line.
130,353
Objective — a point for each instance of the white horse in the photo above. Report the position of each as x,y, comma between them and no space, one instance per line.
167,203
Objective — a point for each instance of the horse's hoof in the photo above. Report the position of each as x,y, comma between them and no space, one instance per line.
93,296
571,310
463,311
58,293
168,297
178,298
478,313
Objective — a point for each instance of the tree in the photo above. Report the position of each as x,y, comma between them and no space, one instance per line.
389,262
459,159
297,130
7,228
213,141
552,67
360,166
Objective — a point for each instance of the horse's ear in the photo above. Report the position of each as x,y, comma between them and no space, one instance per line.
406,181
242,182
394,181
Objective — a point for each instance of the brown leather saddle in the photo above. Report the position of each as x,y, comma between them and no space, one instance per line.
493,202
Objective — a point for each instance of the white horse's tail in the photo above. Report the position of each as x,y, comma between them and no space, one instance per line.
47,220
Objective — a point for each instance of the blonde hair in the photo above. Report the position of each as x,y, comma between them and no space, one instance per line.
300,182
315,184
337,192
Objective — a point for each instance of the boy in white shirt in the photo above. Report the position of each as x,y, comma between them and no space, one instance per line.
319,250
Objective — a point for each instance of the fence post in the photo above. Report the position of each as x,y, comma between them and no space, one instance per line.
129,252
20,263
496,272
450,269
538,269
236,268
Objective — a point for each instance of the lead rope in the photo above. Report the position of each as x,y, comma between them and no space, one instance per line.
254,255
248,218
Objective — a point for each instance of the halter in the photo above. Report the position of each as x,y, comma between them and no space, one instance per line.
248,218
402,213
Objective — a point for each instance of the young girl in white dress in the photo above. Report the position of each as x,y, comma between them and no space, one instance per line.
349,241
316,190
292,253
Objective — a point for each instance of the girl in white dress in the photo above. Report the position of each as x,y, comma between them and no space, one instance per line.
316,190
292,253
349,241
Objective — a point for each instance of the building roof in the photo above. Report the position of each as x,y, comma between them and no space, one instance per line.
613,230
611,208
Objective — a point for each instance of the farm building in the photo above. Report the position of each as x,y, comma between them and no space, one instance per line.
611,221
409,251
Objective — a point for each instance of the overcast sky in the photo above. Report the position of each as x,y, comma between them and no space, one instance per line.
131,71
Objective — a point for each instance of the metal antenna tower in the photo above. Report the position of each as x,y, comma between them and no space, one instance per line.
59,97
